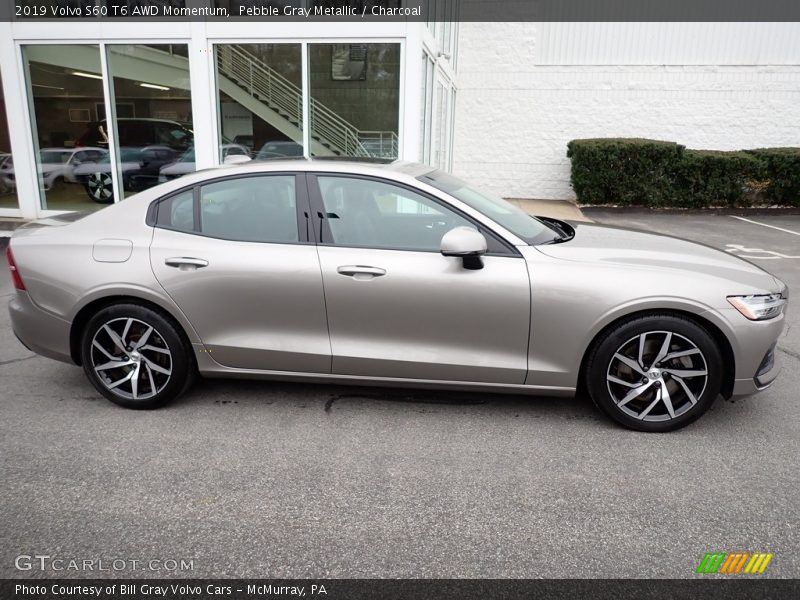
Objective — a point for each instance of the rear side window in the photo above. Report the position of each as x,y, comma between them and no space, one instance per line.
249,209
177,212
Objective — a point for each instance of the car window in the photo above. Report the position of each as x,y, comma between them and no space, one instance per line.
177,212
250,209
362,212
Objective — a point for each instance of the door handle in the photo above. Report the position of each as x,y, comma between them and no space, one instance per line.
361,271
186,263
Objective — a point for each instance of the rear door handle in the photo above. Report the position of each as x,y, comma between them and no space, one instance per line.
361,271
186,263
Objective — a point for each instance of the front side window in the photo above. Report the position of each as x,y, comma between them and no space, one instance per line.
363,212
249,209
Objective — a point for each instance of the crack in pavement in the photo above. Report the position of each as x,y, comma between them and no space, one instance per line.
16,360
791,353
392,398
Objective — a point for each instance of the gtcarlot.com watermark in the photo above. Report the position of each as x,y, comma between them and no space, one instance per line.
45,562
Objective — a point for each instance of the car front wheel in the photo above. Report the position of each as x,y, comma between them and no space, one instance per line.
136,357
655,373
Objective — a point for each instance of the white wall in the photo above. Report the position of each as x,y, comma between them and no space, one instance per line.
526,89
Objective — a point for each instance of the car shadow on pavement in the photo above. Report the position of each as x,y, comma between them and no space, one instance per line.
338,399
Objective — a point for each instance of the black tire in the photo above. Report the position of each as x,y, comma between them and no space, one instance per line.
100,188
162,349
610,380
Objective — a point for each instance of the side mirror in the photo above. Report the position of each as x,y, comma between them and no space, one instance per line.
466,243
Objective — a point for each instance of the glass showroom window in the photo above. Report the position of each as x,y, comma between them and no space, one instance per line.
153,130
65,93
355,94
259,91
8,185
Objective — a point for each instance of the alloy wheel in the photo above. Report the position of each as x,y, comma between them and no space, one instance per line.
657,376
100,186
131,358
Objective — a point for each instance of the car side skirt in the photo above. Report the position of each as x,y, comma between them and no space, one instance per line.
210,368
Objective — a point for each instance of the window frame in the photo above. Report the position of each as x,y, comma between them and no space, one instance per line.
498,246
301,205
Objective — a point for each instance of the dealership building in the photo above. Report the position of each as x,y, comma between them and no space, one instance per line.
95,110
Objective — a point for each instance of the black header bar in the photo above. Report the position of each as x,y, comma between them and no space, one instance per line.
401,10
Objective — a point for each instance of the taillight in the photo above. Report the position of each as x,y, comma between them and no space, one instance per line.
12,266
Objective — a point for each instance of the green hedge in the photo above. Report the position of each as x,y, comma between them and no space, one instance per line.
712,178
782,168
623,171
654,173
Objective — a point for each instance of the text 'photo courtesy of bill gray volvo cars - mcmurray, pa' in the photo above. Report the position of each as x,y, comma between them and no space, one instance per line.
395,275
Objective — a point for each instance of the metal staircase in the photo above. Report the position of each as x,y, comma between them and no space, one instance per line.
283,97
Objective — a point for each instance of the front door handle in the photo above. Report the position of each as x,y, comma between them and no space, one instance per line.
186,263
361,271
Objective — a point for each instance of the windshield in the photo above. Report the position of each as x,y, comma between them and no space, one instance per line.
517,221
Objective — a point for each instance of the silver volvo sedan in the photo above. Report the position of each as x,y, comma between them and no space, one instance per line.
395,275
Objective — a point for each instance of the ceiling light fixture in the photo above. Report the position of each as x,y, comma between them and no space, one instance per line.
155,87
87,75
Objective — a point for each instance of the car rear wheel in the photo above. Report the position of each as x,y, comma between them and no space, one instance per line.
136,357
100,188
655,373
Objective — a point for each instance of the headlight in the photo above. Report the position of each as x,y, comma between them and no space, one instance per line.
759,308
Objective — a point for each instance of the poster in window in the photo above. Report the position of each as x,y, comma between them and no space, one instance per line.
349,62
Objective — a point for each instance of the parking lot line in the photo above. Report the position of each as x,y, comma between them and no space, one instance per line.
765,225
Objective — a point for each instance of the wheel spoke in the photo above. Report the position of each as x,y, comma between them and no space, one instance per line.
115,338
97,345
155,367
119,382
154,349
135,381
686,389
630,362
647,410
664,393
635,393
150,377
126,330
641,349
680,354
685,372
114,364
619,381
143,340
664,349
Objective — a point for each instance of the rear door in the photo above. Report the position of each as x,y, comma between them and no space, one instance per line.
235,256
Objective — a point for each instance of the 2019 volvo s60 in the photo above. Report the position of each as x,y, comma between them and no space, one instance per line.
393,275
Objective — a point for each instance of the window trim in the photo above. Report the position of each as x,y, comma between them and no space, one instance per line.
302,207
321,223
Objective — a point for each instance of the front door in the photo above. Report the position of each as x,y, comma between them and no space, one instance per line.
235,256
397,307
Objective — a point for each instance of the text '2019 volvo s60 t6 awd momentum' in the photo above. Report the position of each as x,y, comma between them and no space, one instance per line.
388,275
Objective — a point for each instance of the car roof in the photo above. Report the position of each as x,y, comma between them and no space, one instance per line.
411,169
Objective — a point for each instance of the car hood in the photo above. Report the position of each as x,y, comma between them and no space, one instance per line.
630,247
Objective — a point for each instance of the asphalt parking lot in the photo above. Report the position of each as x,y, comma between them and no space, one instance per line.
258,479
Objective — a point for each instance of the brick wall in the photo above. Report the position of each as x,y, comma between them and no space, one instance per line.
514,117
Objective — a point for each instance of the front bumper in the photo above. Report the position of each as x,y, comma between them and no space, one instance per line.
38,330
752,341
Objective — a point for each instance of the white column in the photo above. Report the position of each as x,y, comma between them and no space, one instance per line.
19,126
204,98
411,107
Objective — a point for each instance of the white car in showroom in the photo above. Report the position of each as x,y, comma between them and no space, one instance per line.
54,165
186,163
